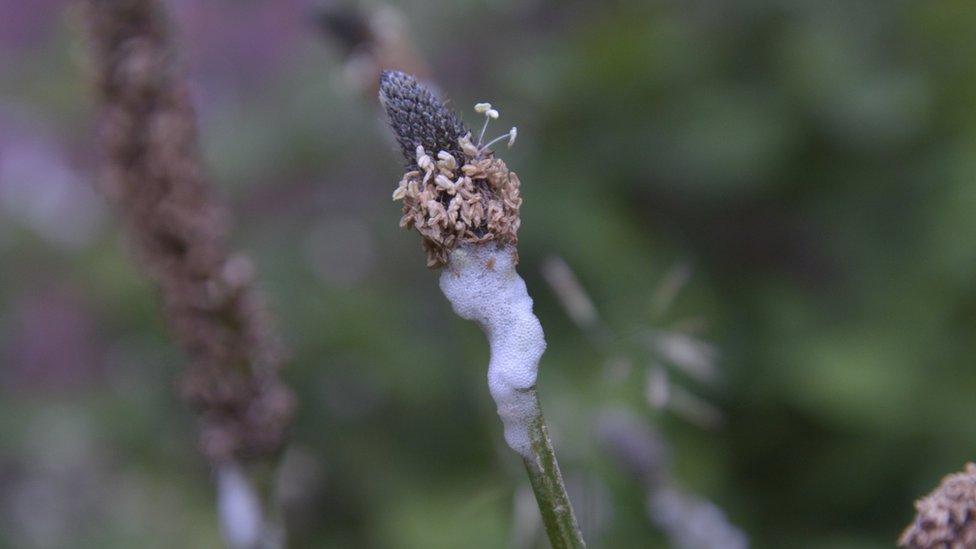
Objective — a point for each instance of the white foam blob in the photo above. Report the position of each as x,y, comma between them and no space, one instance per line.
481,283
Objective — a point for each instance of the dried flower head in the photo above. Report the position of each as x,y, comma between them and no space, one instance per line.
455,190
178,227
946,517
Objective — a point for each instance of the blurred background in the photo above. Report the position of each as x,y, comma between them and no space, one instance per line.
749,229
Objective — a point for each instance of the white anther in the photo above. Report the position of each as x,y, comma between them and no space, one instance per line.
444,183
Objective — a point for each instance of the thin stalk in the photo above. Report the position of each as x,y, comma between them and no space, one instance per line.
481,136
547,484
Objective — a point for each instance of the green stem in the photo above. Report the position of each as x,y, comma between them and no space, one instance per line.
547,483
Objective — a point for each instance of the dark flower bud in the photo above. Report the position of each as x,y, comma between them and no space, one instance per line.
418,118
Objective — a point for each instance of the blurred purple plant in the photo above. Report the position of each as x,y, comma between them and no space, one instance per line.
53,343
26,23
231,43
40,190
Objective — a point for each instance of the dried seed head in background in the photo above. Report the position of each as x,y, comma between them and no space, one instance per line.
947,517
153,172
455,191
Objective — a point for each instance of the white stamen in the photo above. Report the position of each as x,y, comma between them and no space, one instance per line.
512,134
482,107
400,192
481,136
444,183
447,160
469,149
509,135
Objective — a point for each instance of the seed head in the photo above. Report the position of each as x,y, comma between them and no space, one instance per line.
418,118
947,516
454,190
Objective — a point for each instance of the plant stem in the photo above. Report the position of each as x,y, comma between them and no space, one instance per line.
547,483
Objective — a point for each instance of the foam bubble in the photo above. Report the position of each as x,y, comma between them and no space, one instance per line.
481,283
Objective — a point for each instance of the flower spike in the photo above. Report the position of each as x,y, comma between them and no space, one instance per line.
418,117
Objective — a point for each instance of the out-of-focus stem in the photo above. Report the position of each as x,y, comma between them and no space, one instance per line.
688,521
239,508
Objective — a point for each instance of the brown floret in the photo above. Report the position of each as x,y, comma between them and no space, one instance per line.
476,203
